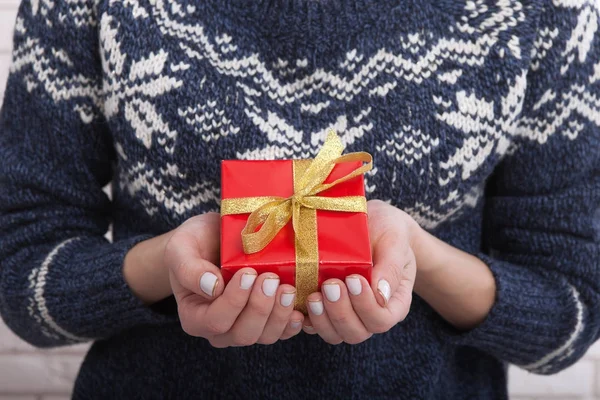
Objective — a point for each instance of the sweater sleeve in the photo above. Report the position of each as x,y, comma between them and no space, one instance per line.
60,280
542,210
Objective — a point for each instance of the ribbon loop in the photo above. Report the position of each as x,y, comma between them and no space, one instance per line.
273,216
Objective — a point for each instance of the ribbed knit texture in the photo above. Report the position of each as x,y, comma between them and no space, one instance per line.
483,117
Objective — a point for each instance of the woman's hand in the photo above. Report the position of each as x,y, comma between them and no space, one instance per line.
352,311
250,309
458,285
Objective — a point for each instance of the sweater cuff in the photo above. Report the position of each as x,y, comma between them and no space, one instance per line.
533,321
88,297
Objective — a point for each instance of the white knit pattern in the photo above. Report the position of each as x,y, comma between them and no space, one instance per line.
121,88
154,183
546,363
37,302
60,88
209,121
489,129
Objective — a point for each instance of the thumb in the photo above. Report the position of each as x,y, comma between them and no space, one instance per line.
392,259
189,255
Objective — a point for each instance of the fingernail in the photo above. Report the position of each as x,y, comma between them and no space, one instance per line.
247,280
287,299
332,291
296,324
208,283
384,289
308,328
316,307
269,286
354,285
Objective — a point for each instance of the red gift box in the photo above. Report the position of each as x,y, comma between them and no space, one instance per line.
343,237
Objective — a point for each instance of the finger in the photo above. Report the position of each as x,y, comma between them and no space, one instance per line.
308,327
320,321
391,255
294,327
191,271
191,309
252,320
341,314
206,229
280,316
221,314
375,318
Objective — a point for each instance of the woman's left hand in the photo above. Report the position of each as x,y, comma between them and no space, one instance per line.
353,311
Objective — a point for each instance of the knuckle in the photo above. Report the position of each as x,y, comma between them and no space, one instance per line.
216,327
339,318
189,327
236,302
260,308
379,326
243,339
279,316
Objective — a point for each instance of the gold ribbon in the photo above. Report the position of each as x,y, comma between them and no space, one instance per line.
272,213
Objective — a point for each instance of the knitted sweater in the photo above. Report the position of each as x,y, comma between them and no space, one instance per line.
483,117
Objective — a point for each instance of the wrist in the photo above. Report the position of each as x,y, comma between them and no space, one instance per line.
428,250
458,285
423,249
144,269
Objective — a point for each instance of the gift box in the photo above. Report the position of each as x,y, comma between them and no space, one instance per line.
304,220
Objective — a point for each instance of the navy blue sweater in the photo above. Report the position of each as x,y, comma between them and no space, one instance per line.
483,117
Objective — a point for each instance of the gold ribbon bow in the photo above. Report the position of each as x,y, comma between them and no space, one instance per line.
273,212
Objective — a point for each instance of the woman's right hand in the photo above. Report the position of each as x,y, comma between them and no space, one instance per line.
250,309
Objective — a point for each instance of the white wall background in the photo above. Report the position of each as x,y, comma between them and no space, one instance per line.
30,374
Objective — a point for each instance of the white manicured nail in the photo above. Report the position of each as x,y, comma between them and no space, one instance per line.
354,285
316,307
309,328
270,286
384,289
247,280
296,324
332,292
208,283
287,299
